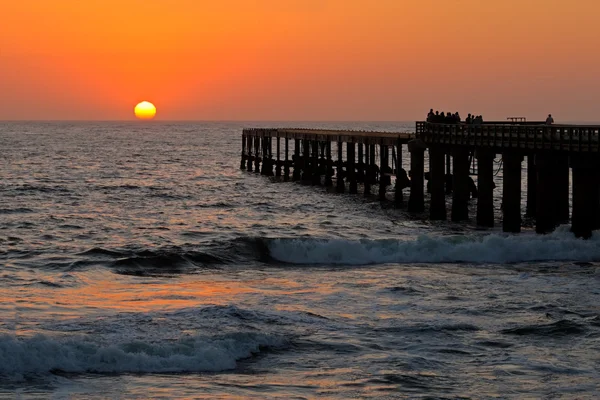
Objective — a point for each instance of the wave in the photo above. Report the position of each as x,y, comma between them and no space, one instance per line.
558,328
217,204
99,251
41,188
42,355
146,262
157,263
167,260
560,245
473,248
17,210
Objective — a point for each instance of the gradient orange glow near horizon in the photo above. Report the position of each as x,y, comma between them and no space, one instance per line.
299,59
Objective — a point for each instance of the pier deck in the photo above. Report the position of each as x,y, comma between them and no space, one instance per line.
346,136
571,138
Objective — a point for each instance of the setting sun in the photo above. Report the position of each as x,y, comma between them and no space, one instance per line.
145,110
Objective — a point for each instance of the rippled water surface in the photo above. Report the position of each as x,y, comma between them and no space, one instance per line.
139,261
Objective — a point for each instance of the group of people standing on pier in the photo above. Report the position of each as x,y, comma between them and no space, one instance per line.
472,119
452,118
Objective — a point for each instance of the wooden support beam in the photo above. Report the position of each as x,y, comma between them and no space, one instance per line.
485,181
351,168
329,167
586,195
278,162
296,160
383,171
401,178
416,200
531,186
306,173
448,177
340,186
511,192
250,154
367,182
257,154
562,187
286,167
315,172
545,215
437,205
461,185
243,160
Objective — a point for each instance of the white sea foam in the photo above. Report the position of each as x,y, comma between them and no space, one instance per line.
560,245
40,355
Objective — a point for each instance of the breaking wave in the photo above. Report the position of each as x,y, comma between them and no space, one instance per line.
493,248
41,355
560,245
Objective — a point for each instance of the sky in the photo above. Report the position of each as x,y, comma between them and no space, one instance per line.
331,60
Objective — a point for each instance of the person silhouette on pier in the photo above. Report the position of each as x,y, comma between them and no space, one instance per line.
549,120
430,116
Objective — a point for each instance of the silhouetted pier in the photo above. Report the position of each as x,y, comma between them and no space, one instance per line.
455,151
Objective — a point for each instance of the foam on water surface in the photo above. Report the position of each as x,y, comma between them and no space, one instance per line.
21,358
561,245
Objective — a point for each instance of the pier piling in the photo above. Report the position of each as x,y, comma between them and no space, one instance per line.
329,168
485,181
400,177
315,171
562,187
416,200
531,186
383,171
278,162
367,173
340,186
461,189
286,167
511,192
545,214
243,160
257,154
351,168
586,199
296,160
437,205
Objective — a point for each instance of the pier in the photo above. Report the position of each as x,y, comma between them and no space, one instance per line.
561,159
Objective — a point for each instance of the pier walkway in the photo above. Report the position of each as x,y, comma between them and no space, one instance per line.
554,153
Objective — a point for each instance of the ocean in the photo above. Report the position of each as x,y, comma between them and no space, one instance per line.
138,261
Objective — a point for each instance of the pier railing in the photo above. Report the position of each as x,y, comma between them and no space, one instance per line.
331,135
571,138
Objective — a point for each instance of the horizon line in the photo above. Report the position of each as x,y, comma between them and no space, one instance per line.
199,120
563,122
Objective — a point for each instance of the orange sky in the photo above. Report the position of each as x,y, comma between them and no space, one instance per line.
299,59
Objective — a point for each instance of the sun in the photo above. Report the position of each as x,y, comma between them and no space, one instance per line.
145,110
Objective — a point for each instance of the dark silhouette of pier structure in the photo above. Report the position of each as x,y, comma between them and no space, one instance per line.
347,159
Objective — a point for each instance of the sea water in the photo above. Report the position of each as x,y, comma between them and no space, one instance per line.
138,261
